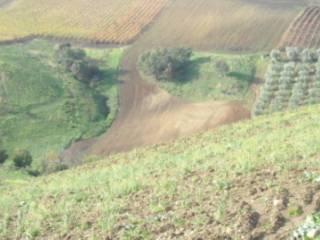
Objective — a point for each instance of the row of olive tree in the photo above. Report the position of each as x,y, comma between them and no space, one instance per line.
292,80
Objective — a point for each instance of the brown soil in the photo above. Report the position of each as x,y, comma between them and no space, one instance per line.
304,31
255,207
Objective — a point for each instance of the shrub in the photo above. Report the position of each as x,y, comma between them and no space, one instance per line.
3,156
292,54
22,159
308,56
275,55
165,63
222,67
52,163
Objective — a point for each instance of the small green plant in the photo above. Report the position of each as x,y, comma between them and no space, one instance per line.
22,159
295,211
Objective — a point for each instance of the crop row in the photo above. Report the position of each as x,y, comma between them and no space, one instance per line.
305,30
99,21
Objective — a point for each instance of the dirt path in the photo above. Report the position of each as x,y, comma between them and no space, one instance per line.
149,115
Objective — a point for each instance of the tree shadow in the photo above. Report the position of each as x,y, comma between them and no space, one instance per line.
192,70
249,78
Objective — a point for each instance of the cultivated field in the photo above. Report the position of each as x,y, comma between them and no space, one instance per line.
231,25
104,21
304,30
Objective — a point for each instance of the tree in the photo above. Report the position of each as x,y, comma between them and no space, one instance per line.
165,63
76,61
222,67
275,55
292,54
22,159
84,71
3,156
308,56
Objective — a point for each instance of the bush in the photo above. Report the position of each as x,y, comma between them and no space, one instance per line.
222,67
292,54
3,156
22,159
52,163
165,63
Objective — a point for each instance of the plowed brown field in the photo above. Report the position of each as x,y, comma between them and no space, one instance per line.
304,30
228,25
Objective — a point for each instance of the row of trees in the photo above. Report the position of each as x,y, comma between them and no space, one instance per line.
290,84
295,54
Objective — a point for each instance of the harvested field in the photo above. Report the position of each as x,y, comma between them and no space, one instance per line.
304,30
100,21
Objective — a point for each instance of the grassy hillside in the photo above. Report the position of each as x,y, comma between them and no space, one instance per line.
43,108
188,189
203,82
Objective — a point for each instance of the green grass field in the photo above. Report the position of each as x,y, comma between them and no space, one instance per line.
203,82
128,196
43,108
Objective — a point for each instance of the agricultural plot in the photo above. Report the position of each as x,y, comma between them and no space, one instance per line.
230,25
105,21
304,30
292,80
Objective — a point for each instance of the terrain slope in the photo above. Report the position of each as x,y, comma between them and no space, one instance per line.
186,189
